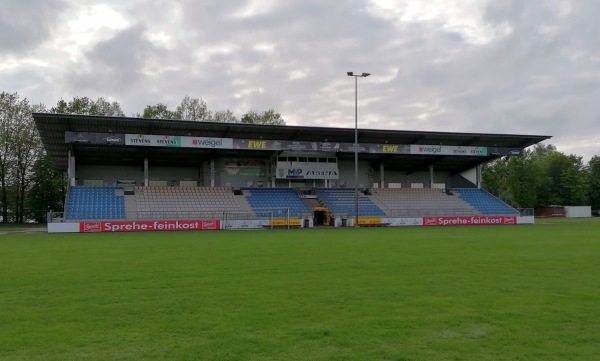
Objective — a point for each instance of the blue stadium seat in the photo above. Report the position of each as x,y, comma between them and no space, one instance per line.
343,200
484,202
94,202
275,200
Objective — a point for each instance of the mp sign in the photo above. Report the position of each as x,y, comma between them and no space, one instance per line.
307,173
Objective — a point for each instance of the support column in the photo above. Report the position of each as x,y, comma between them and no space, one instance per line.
71,168
431,176
478,176
212,172
382,175
274,162
146,172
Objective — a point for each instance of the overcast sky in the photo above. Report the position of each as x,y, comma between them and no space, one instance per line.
509,66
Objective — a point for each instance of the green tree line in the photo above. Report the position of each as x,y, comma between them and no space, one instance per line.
30,187
543,176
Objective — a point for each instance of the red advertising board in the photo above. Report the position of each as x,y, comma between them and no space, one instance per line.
469,221
148,226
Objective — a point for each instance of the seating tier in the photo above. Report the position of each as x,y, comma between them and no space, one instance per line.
422,202
95,202
186,202
484,202
343,201
275,201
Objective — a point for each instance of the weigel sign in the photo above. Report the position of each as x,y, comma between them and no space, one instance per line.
448,150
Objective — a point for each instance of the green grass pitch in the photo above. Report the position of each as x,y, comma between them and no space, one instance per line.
452,293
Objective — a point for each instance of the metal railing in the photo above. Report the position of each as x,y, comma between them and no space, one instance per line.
526,212
55,217
502,197
177,215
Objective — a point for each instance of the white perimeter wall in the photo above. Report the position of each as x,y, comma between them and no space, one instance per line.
578,212
63,227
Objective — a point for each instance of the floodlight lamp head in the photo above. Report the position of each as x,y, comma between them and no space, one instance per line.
350,73
364,75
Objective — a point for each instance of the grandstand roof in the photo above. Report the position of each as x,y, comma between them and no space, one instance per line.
52,128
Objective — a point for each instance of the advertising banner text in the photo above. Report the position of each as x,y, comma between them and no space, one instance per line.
469,221
148,226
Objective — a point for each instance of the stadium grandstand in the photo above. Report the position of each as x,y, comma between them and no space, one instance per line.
135,174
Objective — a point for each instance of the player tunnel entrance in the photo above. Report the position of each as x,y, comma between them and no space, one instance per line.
321,216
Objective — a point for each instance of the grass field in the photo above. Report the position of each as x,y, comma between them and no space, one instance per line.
452,293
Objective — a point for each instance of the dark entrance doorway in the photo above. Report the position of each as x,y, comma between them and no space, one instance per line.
321,216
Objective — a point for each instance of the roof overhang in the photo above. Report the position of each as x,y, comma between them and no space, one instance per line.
52,128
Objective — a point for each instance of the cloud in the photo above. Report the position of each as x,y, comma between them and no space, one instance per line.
25,24
443,65
121,62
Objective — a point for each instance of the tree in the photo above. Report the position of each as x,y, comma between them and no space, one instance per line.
20,146
525,180
494,174
196,109
87,106
159,111
269,117
27,148
568,180
541,177
225,116
48,190
593,168
104,107
193,109
11,106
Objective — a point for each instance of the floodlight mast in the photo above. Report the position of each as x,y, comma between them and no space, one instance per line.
356,76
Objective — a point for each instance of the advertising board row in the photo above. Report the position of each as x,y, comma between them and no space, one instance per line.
198,225
145,140
187,225
441,221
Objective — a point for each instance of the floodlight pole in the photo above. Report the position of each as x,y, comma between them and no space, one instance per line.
356,76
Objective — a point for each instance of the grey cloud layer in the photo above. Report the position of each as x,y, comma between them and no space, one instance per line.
537,74
24,24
